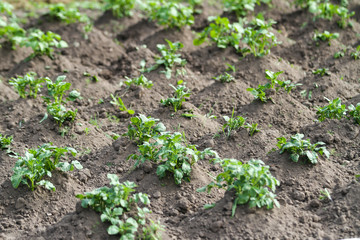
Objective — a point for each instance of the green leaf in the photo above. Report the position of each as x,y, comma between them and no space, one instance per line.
48,185
113,230
114,179
209,206
160,171
77,164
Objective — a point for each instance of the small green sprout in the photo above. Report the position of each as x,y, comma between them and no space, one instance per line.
67,14
252,128
322,72
334,110
139,81
324,194
169,58
232,123
120,104
356,54
180,95
325,36
5,142
92,78
38,163
12,33
60,113
299,147
120,8
28,81
241,7
252,182
354,112
224,78
340,54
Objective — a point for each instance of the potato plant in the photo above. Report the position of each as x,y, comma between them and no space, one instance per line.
27,85
169,58
12,33
139,81
356,53
67,14
120,104
170,13
354,112
225,78
321,72
325,36
119,206
180,95
334,110
241,7
38,163
232,123
297,147
251,183
142,128
172,154
43,43
5,142
120,8
6,7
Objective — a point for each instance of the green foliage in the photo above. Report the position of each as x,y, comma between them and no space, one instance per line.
321,71
5,142
252,128
170,13
325,36
43,43
340,54
334,110
356,54
40,162
324,194
29,81
119,205
6,7
12,33
172,154
256,36
120,8
297,147
120,104
139,81
67,14
354,112
178,98
259,93
169,58
252,183
57,89
60,113
224,78
232,123
242,7
142,128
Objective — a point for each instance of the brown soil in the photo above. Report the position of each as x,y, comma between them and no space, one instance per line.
42,214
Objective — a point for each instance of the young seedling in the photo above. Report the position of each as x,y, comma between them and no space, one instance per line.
232,123
340,54
251,182
40,162
67,14
324,194
297,147
259,93
225,78
240,7
120,104
119,206
334,110
170,13
252,128
12,33
180,95
5,142
354,112
356,54
120,8
325,36
43,43
143,128
92,78
139,81
60,113
169,58
29,81
321,72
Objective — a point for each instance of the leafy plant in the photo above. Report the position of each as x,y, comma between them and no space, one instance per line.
12,33
321,71
354,112
67,14
173,155
169,58
60,113
92,78
178,98
143,128
119,205
43,43
299,147
139,81
325,36
224,78
259,93
324,194
241,7
120,104
57,89
251,183
40,162
6,7
232,123
5,142
334,110
21,84
340,54
356,54
120,8
170,13
252,128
